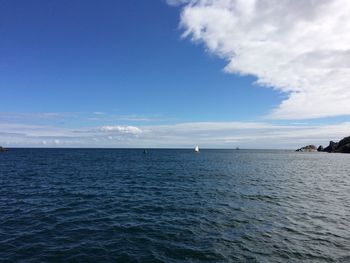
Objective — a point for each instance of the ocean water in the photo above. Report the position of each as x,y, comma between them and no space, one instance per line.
114,205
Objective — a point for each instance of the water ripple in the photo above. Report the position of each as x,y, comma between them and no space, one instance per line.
81,205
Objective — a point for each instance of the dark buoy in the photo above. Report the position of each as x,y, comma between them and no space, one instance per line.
145,151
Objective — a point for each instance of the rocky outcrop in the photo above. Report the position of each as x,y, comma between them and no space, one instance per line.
331,147
343,146
320,148
2,149
308,148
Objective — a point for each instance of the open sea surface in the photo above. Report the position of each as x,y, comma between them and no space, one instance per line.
120,205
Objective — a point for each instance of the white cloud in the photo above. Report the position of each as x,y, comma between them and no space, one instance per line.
122,129
301,48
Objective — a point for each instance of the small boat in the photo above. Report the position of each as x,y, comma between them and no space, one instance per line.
196,149
237,148
145,151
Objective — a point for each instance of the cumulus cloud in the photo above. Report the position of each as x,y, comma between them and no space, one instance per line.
300,48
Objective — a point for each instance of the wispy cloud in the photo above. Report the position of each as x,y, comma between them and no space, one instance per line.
30,116
300,48
177,2
206,134
97,116
127,117
121,129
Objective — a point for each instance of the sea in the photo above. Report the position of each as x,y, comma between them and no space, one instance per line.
173,205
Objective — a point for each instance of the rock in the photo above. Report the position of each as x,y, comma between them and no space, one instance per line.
344,149
2,149
308,148
343,146
320,148
331,147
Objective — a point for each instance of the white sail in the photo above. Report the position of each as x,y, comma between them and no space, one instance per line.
196,149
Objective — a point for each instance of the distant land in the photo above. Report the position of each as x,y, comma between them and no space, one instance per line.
343,146
2,149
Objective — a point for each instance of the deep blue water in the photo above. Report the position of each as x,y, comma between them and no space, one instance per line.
113,205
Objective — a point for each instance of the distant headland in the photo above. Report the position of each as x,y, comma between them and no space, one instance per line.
343,146
2,149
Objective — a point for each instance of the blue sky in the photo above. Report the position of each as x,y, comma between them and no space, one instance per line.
82,66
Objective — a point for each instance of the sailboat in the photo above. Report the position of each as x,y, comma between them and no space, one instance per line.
196,149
